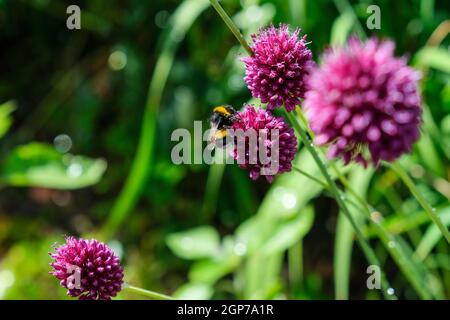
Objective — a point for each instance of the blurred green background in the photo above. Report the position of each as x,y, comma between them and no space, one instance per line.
85,123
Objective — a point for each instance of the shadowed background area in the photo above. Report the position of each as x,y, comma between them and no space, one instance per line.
86,118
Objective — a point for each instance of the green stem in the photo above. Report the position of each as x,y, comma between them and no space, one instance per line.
344,6
230,24
300,114
326,187
403,262
212,188
401,257
360,180
367,250
147,293
348,187
295,260
338,173
306,174
419,197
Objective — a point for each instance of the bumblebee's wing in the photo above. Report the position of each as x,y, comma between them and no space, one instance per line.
213,131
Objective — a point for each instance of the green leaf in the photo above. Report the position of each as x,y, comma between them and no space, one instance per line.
289,232
262,276
194,291
209,271
343,243
198,243
5,116
260,16
433,57
445,125
284,200
144,160
343,248
40,165
288,195
398,224
432,236
429,155
342,27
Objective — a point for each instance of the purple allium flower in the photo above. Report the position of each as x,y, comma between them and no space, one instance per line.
97,267
263,121
276,72
363,98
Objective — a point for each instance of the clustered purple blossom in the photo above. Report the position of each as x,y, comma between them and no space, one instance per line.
99,270
261,120
276,71
363,98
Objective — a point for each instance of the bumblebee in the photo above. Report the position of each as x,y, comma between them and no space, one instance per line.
221,119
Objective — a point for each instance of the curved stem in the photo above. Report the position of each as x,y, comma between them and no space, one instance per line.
344,6
212,188
231,26
393,243
408,267
309,176
338,173
295,262
419,197
300,114
147,293
398,254
144,159
367,250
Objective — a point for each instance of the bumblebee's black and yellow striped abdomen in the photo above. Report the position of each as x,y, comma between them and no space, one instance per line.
221,119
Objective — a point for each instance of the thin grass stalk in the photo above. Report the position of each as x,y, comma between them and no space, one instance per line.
143,161
230,24
295,260
367,250
420,198
147,293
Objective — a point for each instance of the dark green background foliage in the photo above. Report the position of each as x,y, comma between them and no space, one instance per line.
199,231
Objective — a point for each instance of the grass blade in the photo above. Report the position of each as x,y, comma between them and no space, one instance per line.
182,19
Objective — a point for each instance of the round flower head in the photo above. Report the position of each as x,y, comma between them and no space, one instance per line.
276,72
88,269
272,134
364,100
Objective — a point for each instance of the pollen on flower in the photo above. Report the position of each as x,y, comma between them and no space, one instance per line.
89,269
277,70
364,101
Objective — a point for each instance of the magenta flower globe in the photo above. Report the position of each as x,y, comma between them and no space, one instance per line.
271,132
88,269
363,103
276,71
